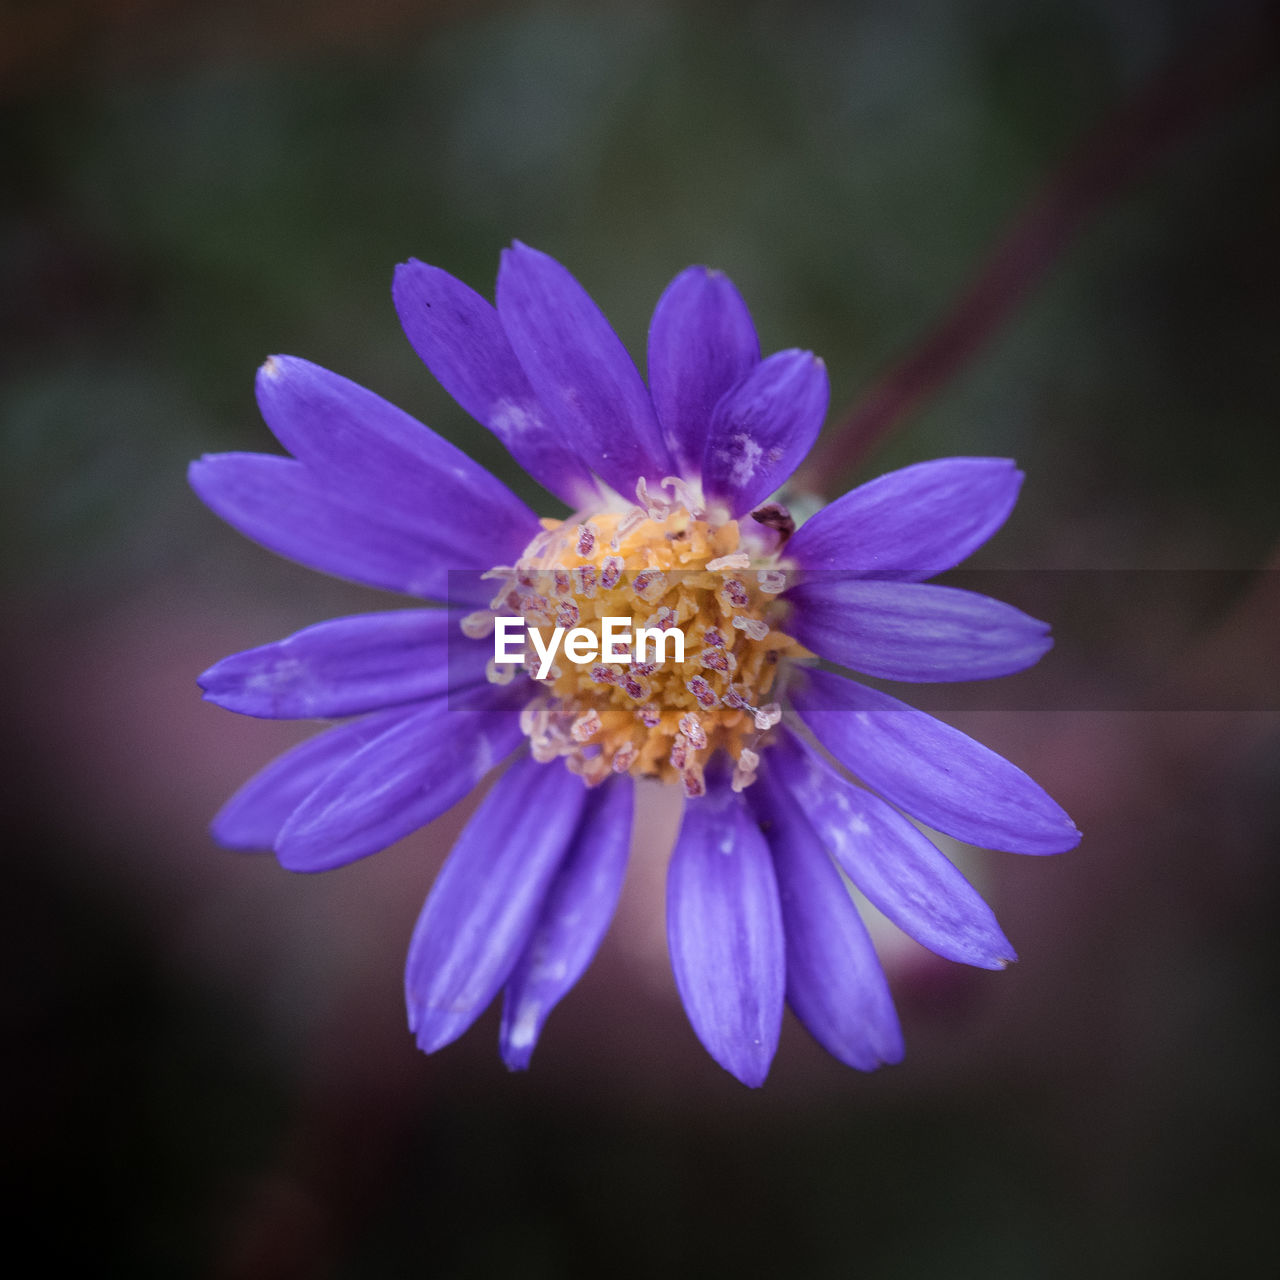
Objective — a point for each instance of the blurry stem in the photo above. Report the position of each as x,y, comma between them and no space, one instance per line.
1113,155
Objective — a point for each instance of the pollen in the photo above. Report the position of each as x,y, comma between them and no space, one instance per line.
660,564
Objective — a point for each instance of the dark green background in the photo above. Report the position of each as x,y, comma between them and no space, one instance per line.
209,1069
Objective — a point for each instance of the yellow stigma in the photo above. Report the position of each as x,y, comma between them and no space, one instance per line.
661,566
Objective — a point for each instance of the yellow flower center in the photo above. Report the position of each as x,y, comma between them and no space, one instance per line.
658,566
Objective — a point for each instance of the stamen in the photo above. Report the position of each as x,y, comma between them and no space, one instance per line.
705,694
637,687
692,729
715,659
632,520
532,715
683,494
650,585
695,784
768,715
656,507
610,571
744,772
586,726
536,609
475,626
753,627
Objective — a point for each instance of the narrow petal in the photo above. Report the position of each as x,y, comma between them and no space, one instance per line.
912,523
904,875
398,783
914,630
348,666
279,503
724,931
762,429
486,900
573,920
580,371
383,460
252,818
701,343
937,774
835,984
461,340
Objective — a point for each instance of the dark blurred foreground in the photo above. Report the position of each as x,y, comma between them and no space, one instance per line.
210,1073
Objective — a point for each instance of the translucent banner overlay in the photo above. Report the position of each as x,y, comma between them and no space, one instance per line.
1123,639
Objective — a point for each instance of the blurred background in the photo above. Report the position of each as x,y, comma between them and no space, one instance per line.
209,1072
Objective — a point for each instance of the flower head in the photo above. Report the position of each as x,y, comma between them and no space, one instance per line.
671,529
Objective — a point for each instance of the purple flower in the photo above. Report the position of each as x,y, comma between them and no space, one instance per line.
668,485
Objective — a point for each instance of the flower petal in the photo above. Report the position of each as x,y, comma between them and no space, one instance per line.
762,429
573,920
914,630
724,931
252,818
701,342
486,899
579,370
348,666
398,783
279,504
461,340
934,772
902,873
912,523
835,984
381,459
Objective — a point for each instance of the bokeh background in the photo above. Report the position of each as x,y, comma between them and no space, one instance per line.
208,1071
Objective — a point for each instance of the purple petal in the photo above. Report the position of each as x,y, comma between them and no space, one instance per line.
934,772
913,523
278,503
348,666
701,342
914,630
762,429
252,818
381,459
579,370
486,900
398,783
573,920
835,984
902,873
724,931
461,340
